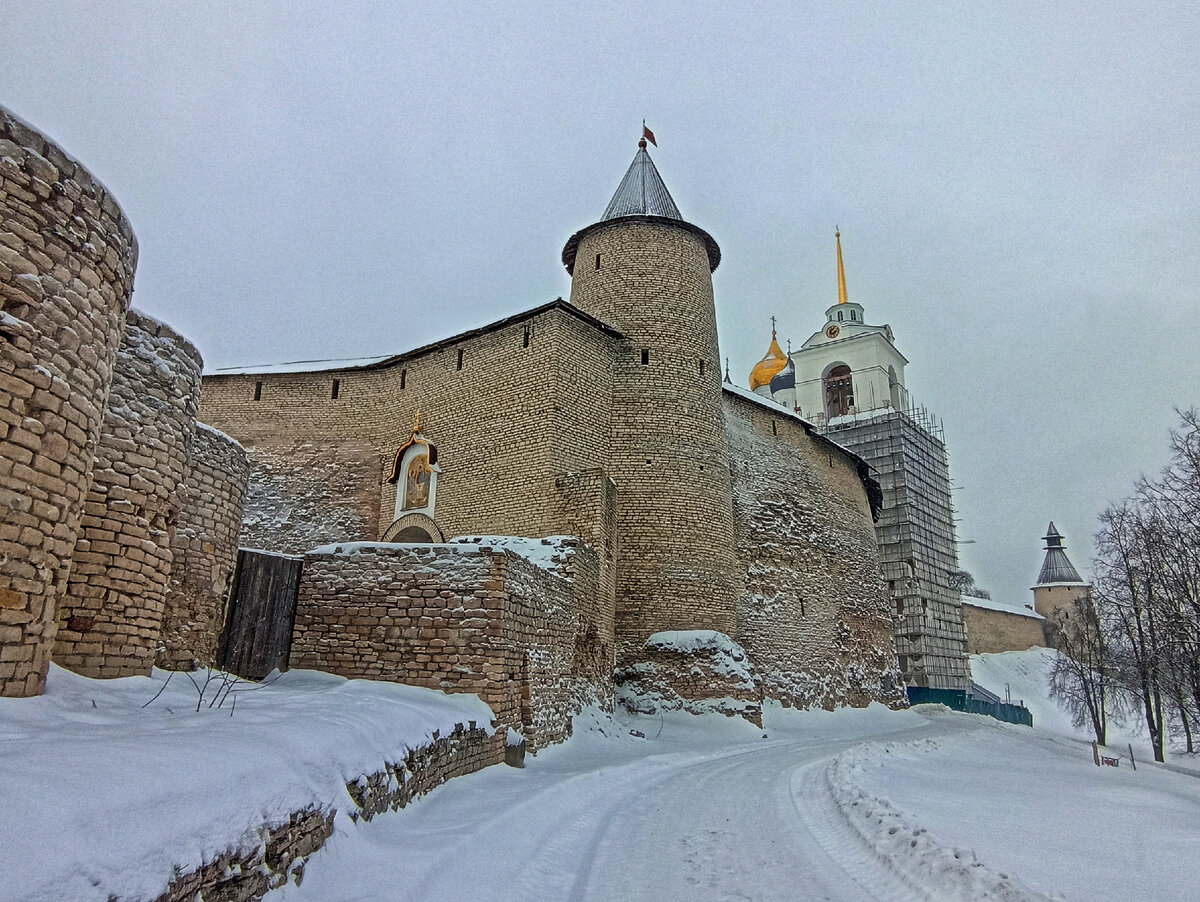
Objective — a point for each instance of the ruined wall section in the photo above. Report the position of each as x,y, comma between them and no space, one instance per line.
204,551
110,617
458,618
509,411
815,615
67,258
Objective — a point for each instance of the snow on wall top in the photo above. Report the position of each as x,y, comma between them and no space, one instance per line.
732,658
990,605
548,553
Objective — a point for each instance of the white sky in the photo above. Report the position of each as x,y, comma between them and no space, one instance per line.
1018,187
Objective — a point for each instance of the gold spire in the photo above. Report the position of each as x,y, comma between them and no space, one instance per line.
770,366
842,297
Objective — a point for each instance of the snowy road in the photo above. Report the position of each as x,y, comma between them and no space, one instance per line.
695,814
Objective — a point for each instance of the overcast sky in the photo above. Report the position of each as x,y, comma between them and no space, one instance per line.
1018,188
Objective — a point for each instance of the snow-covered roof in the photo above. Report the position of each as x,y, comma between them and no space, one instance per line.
988,604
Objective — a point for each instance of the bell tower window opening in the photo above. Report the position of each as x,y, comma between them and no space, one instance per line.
839,391
853,316
839,316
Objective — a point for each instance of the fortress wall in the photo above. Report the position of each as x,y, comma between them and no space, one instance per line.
318,463
990,631
67,258
110,616
668,447
815,615
458,618
204,551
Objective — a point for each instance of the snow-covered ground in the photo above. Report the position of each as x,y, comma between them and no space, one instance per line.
844,805
101,795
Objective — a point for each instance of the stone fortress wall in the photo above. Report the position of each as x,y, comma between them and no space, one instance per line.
111,615
67,258
991,630
814,612
204,551
97,420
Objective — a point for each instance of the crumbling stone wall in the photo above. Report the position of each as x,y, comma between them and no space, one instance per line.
67,258
698,671
281,852
815,615
204,551
111,614
461,618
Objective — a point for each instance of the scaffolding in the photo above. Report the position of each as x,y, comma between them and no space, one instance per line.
915,532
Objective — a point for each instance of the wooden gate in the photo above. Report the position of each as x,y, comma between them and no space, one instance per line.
262,611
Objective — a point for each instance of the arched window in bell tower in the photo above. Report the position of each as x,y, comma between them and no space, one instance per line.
839,391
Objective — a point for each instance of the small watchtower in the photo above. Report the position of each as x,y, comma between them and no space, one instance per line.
1059,589
647,272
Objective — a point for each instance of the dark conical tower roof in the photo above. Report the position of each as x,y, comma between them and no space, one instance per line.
642,196
642,192
1057,569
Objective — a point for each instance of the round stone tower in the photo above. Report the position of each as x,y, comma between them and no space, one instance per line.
646,272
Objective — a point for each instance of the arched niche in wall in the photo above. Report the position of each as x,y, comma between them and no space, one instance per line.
414,528
414,473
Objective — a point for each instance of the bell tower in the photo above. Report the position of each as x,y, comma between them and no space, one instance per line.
647,272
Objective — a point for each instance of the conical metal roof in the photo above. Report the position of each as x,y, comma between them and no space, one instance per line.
1057,569
642,196
642,192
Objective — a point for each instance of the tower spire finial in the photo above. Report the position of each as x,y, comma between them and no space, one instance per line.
772,328
843,298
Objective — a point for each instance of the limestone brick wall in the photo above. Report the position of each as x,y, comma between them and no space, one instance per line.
67,258
668,449
281,853
815,615
990,631
204,551
460,618
110,616
527,403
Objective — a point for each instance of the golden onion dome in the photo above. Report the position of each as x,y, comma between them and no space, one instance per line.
769,367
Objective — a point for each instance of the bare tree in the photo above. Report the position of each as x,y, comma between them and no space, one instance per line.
1079,676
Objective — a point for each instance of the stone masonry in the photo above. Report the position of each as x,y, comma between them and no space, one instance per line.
814,614
531,642
651,279
67,258
990,630
204,551
110,617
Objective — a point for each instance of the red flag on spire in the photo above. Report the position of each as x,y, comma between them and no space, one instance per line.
647,134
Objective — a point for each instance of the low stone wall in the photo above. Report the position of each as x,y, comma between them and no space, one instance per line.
67,258
111,614
990,630
698,671
462,617
280,855
204,551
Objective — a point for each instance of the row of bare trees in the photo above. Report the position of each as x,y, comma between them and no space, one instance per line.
1134,645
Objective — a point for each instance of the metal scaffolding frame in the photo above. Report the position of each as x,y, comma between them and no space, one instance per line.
915,531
